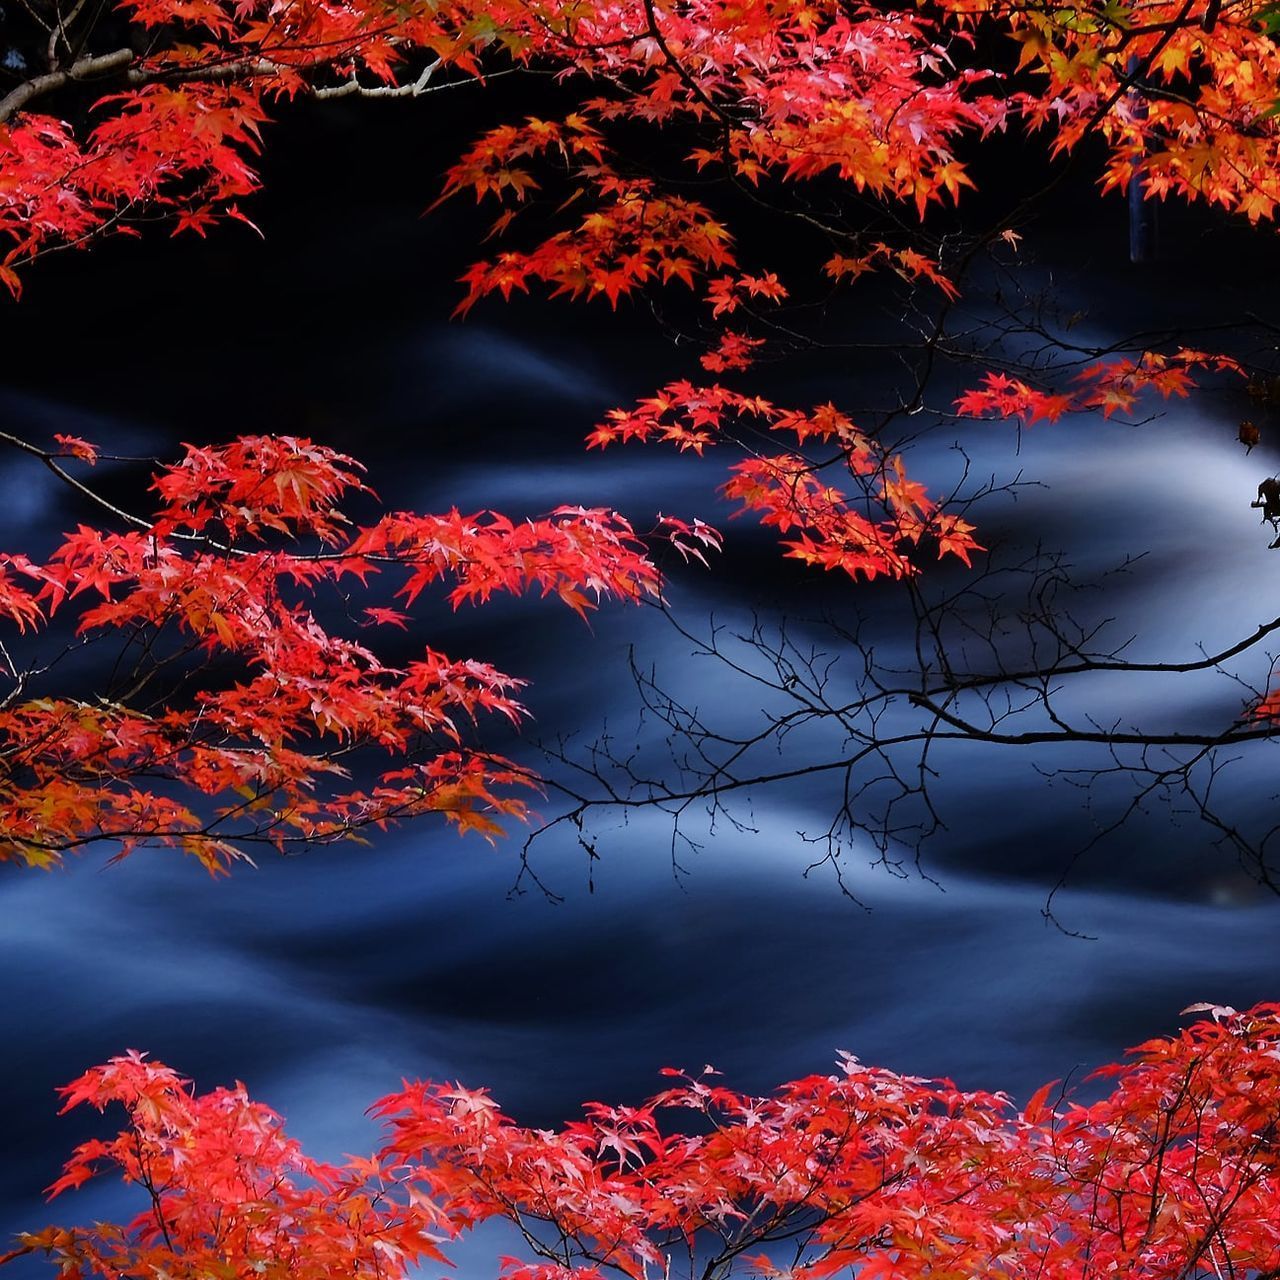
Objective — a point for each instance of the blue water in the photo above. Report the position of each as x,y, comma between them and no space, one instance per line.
321,980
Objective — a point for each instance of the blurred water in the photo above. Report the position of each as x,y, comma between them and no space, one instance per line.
321,980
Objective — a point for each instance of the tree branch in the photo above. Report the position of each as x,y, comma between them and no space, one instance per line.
82,69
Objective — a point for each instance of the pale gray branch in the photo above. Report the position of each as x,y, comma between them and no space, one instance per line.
353,87
82,69
120,59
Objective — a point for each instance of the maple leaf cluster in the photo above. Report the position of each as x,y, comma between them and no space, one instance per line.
1108,386
787,490
1172,1173
758,93
884,101
221,579
1183,94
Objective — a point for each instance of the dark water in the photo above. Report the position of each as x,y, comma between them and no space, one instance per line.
323,979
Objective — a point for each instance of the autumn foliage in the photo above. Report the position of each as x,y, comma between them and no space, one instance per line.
885,104
888,103
1173,1171
1108,387
228,577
